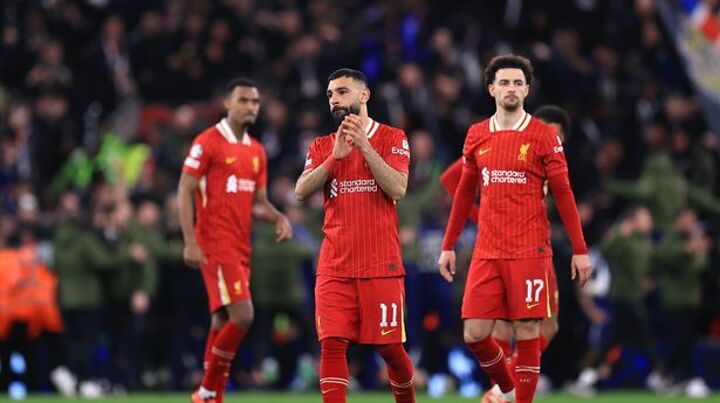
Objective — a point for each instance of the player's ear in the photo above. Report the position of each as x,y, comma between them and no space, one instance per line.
226,101
365,95
491,90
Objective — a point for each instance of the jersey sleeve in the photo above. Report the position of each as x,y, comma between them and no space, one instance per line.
468,159
198,158
315,156
552,155
263,171
397,153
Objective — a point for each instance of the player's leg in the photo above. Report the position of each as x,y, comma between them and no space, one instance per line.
526,282
228,292
336,322
549,327
382,323
483,301
502,333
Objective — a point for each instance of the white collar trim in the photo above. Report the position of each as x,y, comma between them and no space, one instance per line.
227,132
371,128
519,126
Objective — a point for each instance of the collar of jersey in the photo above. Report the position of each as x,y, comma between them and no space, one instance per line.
519,126
371,128
227,132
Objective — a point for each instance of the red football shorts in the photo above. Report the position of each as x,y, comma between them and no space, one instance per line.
508,289
226,281
362,310
553,292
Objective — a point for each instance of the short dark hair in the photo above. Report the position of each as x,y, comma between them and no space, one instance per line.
239,82
555,114
508,62
356,75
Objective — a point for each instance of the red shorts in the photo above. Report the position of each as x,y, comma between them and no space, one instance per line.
226,282
508,289
553,292
362,310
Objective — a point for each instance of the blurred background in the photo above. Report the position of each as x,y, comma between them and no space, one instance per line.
100,99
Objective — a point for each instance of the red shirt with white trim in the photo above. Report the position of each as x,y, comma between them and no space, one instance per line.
512,167
361,224
231,170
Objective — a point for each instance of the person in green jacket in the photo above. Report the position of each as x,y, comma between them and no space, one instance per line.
80,257
129,289
279,299
679,263
628,250
665,191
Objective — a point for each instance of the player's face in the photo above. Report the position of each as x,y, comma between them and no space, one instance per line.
243,105
346,96
509,89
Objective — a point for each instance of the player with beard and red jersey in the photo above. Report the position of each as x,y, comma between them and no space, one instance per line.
362,170
509,157
226,173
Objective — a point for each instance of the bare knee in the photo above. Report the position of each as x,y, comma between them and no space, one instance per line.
241,314
475,330
502,330
218,319
526,329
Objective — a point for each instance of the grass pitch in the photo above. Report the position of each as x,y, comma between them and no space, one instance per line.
609,397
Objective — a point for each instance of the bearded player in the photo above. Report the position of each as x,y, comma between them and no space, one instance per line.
509,157
362,170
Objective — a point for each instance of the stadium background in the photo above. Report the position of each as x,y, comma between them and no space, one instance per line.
99,100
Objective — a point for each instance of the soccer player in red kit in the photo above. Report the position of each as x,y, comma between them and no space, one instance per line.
362,170
226,173
559,120
509,157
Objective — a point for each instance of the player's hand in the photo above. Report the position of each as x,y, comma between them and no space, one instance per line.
446,264
341,148
283,229
193,255
353,128
581,269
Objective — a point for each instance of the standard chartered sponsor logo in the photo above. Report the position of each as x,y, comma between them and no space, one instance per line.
235,185
333,188
353,186
503,176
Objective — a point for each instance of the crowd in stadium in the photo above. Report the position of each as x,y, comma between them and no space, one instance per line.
100,101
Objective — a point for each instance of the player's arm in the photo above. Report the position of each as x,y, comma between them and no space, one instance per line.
463,201
316,174
556,171
450,180
390,180
192,254
313,179
264,210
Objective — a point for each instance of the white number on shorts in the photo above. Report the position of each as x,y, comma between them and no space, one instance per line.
384,322
538,285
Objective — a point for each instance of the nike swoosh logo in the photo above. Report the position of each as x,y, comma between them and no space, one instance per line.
485,151
531,306
387,332
327,391
230,160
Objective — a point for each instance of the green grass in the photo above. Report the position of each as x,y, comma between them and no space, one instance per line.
610,397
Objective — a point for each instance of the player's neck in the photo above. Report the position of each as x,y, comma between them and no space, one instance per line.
508,119
237,130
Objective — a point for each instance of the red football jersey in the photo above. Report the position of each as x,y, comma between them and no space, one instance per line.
361,225
231,169
512,166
